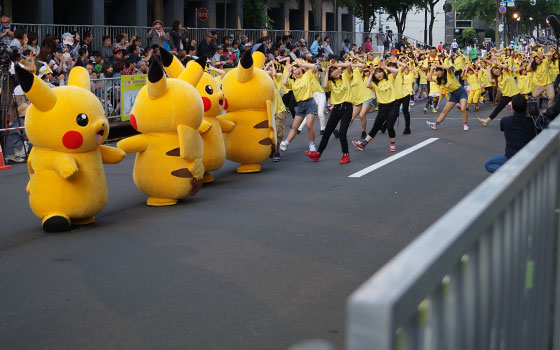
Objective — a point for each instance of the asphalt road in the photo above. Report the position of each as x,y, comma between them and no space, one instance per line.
257,261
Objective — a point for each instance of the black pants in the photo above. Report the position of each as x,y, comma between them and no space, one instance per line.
341,112
386,114
490,91
504,100
290,102
405,102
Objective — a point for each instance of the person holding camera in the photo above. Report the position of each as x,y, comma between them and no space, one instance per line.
518,130
157,36
6,32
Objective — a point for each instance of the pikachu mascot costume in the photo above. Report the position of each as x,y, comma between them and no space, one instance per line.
249,92
167,113
67,127
214,150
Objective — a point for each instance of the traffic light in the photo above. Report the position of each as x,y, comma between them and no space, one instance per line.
533,2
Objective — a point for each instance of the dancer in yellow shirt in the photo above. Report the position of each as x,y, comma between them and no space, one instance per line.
446,79
500,74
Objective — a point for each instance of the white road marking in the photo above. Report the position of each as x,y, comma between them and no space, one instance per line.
384,162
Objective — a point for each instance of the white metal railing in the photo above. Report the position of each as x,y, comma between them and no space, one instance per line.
484,276
108,90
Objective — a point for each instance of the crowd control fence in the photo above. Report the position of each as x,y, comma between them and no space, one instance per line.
484,276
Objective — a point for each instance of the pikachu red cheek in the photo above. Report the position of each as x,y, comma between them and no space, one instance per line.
207,104
133,122
225,103
72,140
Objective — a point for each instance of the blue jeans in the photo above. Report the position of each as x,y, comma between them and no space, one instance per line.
495,163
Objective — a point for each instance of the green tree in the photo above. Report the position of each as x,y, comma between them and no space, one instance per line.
398,10
468,35
364,10
487,11
255,14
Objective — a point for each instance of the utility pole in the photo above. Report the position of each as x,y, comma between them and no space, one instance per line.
497,24
426,24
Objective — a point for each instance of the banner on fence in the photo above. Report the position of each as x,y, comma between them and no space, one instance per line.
130,85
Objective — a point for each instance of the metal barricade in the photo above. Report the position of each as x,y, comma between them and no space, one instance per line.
108,90
337,38
483,276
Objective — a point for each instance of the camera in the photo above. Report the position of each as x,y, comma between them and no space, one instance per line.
542,120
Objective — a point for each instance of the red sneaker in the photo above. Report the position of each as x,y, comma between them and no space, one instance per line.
392,148
314,156
345,158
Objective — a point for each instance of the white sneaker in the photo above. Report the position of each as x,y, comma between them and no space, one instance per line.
312,147
283,146
466,127
432,125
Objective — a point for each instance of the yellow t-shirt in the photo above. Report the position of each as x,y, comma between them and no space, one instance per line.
421,74
384,90
525,83
428,62
474,82
507,84
303,86
483,78
542,73
340,89
360,93
286,89
316,85
459,62
400,89
554,69
279,106
408,81
452,84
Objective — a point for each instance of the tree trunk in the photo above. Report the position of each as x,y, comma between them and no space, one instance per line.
317,15
432,20
158,9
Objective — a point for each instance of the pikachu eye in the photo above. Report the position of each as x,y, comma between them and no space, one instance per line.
209,90
82,119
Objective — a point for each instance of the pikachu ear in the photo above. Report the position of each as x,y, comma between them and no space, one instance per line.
193,73
157,83
173,67
259,58
244,71
79,76
36,90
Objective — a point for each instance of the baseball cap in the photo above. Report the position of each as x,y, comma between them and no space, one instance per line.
44,70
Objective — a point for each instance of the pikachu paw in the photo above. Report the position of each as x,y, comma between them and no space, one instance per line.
68,172
204,127
249,168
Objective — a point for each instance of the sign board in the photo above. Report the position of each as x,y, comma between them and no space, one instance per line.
502,9
511,4
533,2
130,85
202,14
511,1
503,3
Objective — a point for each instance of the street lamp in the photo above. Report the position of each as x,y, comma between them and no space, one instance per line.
515,15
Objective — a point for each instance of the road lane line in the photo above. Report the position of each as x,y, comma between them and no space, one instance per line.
384,162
